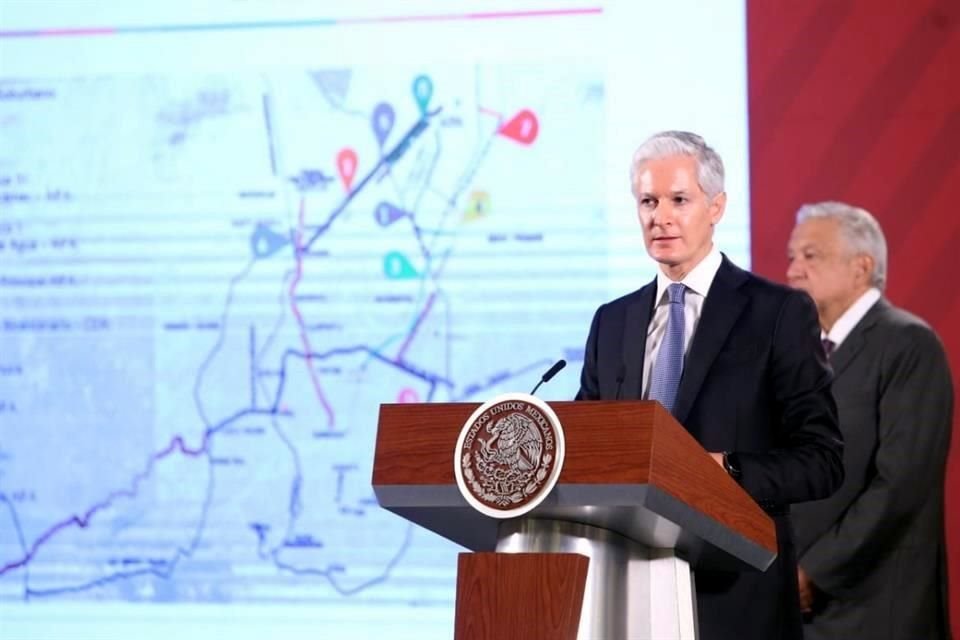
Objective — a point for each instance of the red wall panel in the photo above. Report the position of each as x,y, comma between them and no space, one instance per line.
859,100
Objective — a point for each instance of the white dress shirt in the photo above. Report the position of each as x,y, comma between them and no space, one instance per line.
851,317
698,283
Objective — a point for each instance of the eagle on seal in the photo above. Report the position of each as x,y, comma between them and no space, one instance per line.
515,442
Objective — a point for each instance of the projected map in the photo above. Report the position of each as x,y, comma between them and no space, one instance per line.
210,282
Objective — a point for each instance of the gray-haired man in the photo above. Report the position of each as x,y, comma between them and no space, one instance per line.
737,361
872,554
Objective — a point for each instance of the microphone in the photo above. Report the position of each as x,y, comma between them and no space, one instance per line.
621,374
552,371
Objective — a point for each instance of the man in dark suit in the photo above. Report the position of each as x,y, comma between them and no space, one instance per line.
738,361
872,555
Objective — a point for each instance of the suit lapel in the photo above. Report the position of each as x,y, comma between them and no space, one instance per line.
856,340
635,340
722,307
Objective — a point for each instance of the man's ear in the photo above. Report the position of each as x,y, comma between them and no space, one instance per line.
718,205
865,265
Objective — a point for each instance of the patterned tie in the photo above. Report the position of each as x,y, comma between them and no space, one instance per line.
665,378
828,347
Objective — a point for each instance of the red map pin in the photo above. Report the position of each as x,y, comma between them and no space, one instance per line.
523,127
347,166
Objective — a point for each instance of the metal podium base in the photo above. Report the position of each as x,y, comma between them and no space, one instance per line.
632,592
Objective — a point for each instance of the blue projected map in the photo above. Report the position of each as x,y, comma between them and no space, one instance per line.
230,230
212,282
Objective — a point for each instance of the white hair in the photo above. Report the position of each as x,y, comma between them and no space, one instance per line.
860,229
682,143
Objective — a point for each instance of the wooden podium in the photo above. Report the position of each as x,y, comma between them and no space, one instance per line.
608,554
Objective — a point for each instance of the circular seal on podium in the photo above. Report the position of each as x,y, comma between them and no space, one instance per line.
509,455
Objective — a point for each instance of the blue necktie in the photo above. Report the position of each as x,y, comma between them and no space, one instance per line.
668,368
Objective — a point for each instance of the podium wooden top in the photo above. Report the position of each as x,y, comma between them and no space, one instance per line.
630,467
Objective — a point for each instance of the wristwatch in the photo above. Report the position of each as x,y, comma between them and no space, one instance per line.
731,464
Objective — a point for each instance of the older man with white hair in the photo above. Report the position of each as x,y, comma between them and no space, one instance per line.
871,556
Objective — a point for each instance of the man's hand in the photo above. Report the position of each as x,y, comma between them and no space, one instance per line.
718,458
807,589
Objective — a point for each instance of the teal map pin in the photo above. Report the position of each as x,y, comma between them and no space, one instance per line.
398,267
422,92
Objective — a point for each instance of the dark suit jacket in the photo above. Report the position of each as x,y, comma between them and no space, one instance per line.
876,547
754,382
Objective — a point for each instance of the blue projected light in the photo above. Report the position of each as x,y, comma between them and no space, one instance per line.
229,232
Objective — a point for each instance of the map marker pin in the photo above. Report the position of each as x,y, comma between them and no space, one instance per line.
408,395
396,266
347,166
386,214
422,92
523,127
265,242
382,122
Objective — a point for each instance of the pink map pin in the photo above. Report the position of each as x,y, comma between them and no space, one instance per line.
408,395
347,166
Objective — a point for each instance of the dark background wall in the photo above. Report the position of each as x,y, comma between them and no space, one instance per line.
859,100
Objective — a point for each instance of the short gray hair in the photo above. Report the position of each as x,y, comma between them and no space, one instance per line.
682,143
860,229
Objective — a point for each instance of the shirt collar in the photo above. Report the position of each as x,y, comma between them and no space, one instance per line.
853,315
698,280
